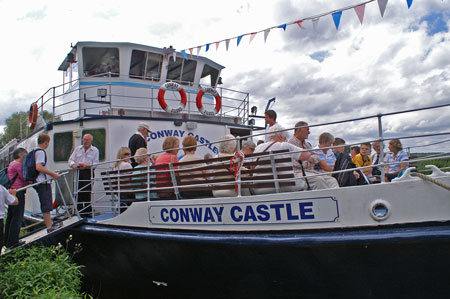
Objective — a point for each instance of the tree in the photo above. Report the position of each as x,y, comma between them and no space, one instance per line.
14,129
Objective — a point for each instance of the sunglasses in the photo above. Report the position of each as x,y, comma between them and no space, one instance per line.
127,154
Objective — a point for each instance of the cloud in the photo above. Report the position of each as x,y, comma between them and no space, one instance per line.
34,15
107,15
165,29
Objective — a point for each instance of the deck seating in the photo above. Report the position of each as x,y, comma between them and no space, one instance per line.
252,177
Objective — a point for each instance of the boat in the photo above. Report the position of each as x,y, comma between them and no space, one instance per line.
388,239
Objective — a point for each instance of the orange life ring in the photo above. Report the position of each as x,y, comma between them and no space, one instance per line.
210,91
32,116
162,101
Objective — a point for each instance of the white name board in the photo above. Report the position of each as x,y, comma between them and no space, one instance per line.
292,211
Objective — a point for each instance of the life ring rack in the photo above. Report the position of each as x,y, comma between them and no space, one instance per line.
162,101
210,91
32,116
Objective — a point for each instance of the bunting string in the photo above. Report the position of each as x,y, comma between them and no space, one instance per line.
335,14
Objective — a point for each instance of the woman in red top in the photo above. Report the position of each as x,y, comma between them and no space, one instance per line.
15,213
171,146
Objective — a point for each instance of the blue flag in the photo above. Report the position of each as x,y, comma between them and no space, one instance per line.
337,18
239,39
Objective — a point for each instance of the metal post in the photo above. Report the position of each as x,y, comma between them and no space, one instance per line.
380,135
274,172
110,96
148,177
53,104
239,172
174,181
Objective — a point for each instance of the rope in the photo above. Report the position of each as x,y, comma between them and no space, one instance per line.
429,179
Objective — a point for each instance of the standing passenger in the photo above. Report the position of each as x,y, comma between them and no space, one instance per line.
138,140
7,197
83,158
15,213
44,189
270,117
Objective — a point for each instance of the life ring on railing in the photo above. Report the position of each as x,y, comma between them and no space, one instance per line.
162,101
210,91
32,116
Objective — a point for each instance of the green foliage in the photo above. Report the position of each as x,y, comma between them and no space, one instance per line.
40,272
440,163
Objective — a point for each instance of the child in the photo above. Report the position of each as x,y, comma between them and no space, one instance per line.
363,159
6,197
341,149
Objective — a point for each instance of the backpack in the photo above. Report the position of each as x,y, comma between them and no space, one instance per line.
29,171
4,180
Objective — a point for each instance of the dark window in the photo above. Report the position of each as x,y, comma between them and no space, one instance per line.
98,61
174,69
209,75
99,141
62,146
181,70
145,65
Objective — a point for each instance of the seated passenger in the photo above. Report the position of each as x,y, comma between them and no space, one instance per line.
397,155
123,153
301,133
338,150
277,141
354,150
363,159
248,147
327,157
142,167
227,148
344,162
376,172
189,147
171,146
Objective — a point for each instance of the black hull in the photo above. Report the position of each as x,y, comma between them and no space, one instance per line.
399,261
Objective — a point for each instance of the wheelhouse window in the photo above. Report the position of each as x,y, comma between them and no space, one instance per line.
101,61
62,146
145,65
209,75
99,140
181,70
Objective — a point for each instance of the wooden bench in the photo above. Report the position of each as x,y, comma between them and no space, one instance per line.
259,171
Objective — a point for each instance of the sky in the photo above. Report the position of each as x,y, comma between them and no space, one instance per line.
397,62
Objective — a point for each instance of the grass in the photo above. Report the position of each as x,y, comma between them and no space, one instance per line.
41,272
440,163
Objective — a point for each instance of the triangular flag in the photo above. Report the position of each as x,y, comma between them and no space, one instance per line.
167,57
283,26
337,18
382,5
184,54
299,23
409,2
217,45
207,47
227,43
239,40
190,50
252,36
198,49
360,12
174,55
266,33
315,24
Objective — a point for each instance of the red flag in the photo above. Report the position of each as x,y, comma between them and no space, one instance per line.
190,50
217,45
360,12
299,23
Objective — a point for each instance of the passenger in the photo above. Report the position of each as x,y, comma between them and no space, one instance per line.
338,150
354,150
83,158
376,159
142,160
363,159
189,147
138,140
15,213
248,147
123,153
301,133
259,142
397,155
7,197
270,117
327,157
277,141
344,162
227,148
171,146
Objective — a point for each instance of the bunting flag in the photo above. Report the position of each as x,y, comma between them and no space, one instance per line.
266,34
336,15
299,23
315,23
239,40
409,2
382,5
360,12
252,36
184,54
337,18
174,55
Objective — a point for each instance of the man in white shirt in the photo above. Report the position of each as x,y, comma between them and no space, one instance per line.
44,189
7,197
83,159
270,117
